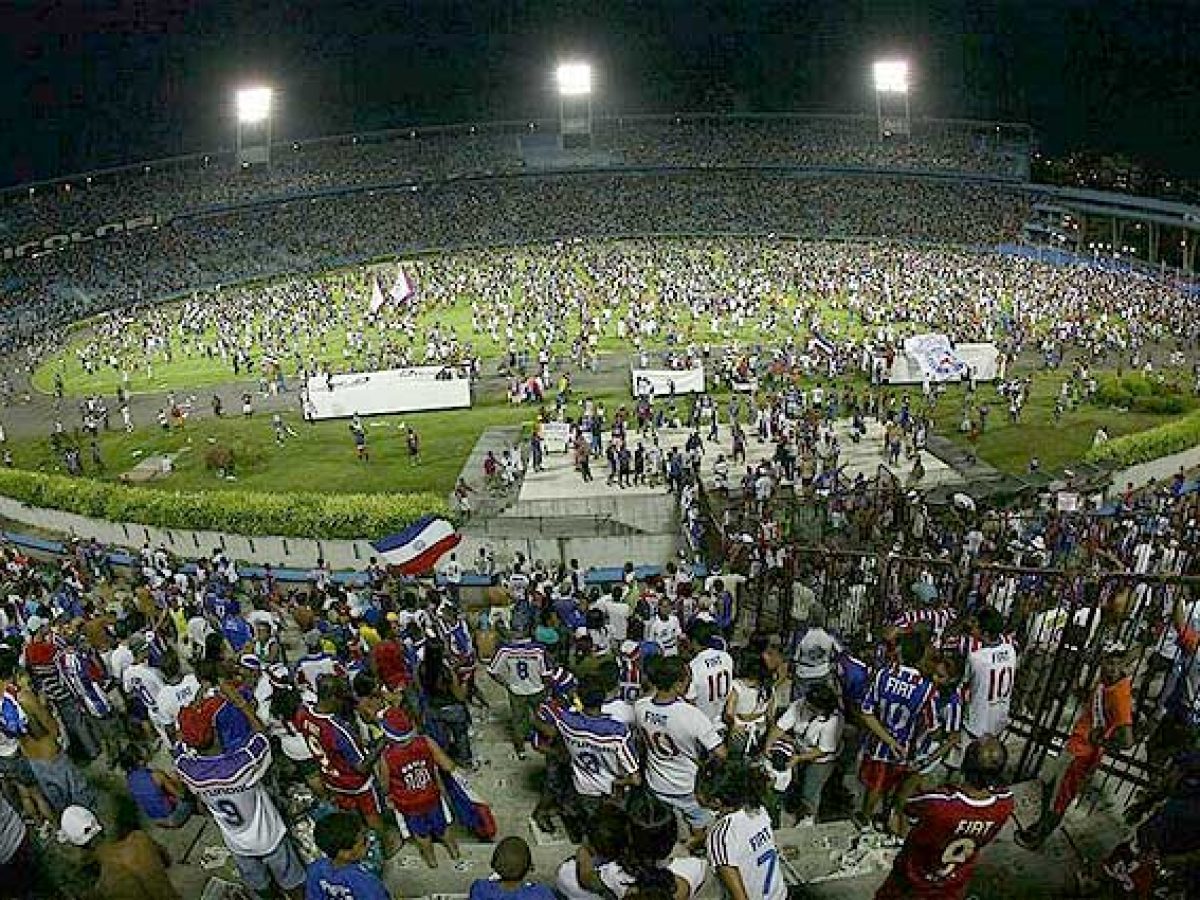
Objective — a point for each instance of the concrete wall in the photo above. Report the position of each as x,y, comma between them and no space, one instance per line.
303,552
654,514
1161,469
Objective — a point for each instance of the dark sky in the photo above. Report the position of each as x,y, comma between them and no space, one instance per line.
87,84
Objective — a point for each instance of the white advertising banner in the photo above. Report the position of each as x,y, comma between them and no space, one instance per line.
556,436
390,391
659,382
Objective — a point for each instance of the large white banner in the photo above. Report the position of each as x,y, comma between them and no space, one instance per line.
935,356
659,382
389,391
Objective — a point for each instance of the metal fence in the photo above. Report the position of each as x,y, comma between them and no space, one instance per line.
1061,617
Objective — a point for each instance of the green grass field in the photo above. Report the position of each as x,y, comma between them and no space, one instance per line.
320,458
1057,445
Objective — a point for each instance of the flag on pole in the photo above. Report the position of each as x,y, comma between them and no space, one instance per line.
419,546
377,298
403,288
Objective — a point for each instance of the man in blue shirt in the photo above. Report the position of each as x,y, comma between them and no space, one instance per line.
339,874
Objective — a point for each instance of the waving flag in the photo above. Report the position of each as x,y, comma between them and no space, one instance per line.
465,806
403,288
377,298
419,546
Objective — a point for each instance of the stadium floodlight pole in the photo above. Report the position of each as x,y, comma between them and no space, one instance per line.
574,80
891,81
253,113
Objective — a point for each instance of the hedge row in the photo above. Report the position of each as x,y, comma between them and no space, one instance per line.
1142,393
252,513
1181,434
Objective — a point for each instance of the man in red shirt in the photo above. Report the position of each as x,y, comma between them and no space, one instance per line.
949,826
346,766
408,773
388,658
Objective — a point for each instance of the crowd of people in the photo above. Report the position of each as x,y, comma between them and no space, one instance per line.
323,727
745,308
329,231
194,183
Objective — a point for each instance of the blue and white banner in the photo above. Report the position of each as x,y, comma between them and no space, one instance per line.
935,356
417,548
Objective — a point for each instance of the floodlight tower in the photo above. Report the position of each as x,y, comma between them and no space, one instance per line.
574,104
254,126
891,97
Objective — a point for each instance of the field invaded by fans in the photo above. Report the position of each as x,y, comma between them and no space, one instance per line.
321,458
583,300
295,324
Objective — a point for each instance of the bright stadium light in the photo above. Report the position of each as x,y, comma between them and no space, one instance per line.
891,98
891,76
574,79
254,105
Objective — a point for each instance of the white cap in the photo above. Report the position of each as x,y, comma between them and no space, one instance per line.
79,826
35,624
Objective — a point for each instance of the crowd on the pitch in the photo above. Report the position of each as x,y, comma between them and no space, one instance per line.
758,301
329,231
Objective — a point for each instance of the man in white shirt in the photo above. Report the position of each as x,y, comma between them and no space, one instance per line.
229,783
520,665
815,726
664,629
741,845
814,653
712,672
991,673
677,737
616,615
142,681
452,571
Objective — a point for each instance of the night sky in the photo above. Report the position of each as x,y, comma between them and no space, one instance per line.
88,84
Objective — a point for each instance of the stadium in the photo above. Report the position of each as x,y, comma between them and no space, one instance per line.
837,476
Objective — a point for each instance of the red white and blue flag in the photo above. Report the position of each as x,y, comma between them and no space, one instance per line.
418,547
467,807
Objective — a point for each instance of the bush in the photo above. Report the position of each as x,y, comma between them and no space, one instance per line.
1144,446
218,458
1143,393
251,513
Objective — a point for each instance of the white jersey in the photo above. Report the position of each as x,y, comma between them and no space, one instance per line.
665,633
616,614
174,697
520,666
712,678
992,672
676,735
230,785
745,841
619,710
601,751
144,682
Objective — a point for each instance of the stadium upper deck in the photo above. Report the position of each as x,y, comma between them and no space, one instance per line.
165,188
